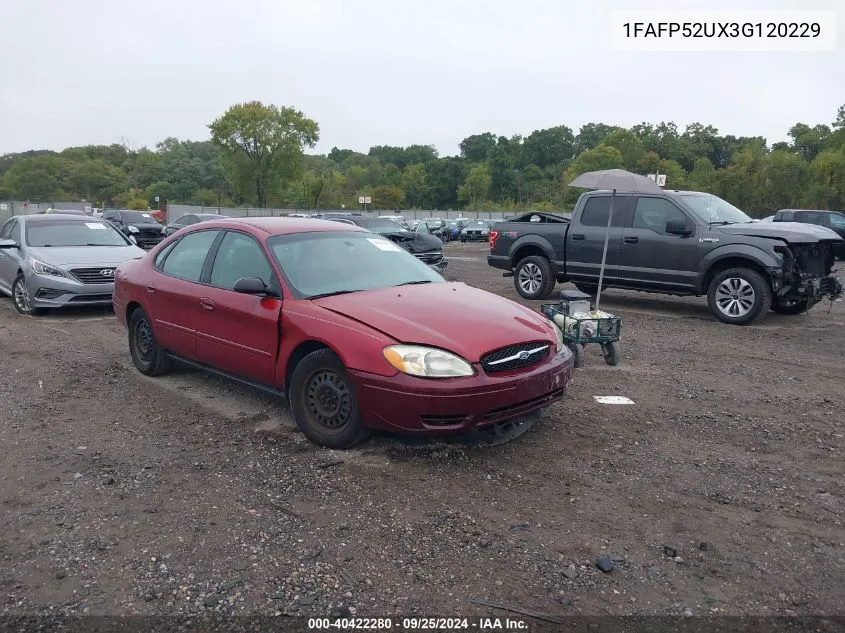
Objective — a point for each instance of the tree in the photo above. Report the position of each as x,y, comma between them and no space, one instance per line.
93,179
477,147
628,144
414,183
547,147
590,135
809,141
388,197
262,146
38,178
476,186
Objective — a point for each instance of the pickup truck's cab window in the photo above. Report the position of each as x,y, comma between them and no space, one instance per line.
654,213
596,210
239,256
837,221
809,217
187,258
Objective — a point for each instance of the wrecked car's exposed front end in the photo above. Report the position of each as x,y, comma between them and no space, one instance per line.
807,273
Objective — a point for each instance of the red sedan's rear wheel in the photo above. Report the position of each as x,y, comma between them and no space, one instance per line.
323,401
147,356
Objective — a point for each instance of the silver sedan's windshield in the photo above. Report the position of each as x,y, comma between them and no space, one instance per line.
72,233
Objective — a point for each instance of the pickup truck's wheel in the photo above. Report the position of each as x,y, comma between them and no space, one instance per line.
739,295
791,307
533,278
323,402
147,356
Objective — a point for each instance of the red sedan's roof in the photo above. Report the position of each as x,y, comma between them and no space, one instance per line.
285,225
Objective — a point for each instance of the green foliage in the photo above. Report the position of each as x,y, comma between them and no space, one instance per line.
476,186
262,146
256,156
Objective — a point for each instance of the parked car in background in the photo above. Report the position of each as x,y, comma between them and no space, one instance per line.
55,260
61,211
384,344
396,218
454,230
679,243
768,218
476,230
139,225
188,220
437,227
425,247
833,220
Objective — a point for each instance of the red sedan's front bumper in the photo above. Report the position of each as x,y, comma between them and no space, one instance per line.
420,405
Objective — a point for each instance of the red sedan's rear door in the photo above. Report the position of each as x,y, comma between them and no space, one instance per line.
172,292
239,333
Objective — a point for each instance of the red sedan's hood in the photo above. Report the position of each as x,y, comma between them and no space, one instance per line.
452,316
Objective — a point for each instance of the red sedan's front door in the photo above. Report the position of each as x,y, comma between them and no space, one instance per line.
239,333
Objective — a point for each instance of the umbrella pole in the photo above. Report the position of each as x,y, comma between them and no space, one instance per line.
604,252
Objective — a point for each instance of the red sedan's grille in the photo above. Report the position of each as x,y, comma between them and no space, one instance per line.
515,357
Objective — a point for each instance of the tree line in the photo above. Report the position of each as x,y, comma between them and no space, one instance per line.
256,156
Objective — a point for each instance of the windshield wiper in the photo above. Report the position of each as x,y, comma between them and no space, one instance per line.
413,283
332,294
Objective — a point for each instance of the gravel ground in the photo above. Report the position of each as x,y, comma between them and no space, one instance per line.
720,491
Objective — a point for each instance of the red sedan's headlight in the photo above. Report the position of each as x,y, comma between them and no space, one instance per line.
427,362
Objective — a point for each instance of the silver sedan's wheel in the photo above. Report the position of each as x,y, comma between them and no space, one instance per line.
530,278
735,297
21,298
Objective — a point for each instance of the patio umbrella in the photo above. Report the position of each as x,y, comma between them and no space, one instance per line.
617,181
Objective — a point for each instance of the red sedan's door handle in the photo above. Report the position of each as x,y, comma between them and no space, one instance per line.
208,304
151,289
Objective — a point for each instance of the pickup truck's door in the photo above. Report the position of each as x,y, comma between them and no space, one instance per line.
585,242
652,259
239,333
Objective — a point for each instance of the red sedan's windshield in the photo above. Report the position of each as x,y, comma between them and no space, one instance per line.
319,264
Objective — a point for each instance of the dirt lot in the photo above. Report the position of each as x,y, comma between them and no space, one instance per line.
185,494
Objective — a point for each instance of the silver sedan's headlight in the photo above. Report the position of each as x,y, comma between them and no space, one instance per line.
41,268
427,362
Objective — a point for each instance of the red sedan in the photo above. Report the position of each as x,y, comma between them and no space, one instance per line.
357,333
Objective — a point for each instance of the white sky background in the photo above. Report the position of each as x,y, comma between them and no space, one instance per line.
380,72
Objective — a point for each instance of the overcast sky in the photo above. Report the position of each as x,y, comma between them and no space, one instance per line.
379,72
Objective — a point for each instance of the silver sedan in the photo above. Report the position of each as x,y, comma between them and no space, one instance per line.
56,260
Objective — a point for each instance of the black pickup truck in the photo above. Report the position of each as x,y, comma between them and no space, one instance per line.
679,243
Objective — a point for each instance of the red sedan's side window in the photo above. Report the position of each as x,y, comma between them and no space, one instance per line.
239,256
187,257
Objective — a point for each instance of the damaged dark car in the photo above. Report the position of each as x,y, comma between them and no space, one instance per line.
427,248
678,243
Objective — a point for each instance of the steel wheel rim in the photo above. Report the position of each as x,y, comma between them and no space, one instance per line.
328,400
22,297
530,278
144,341
735,297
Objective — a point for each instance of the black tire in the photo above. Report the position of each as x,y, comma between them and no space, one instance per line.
611,353
739,296
323,402
589,289
21,298
791,307
147,355
577,354
534,273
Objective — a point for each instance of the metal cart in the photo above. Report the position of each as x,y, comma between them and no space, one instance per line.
572,315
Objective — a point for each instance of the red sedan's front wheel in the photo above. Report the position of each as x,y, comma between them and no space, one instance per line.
323,401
